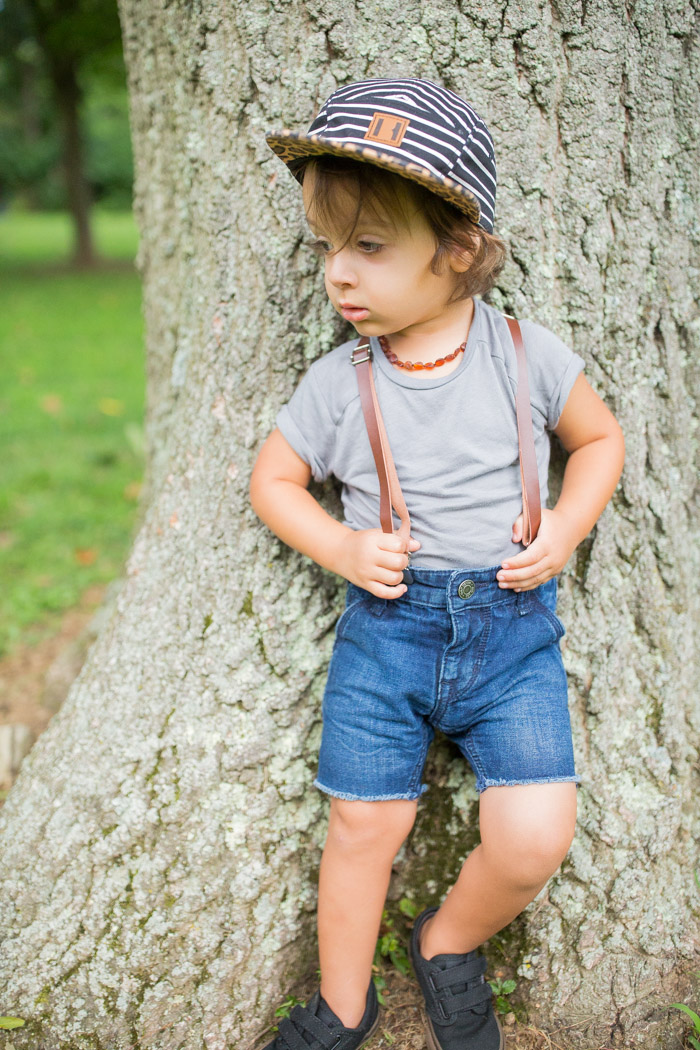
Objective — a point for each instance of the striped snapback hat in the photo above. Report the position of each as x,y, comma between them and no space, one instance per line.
415,128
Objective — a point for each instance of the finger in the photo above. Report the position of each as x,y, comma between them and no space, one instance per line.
527,557
381,590
518,529
518,577
387,576
389,541
391,560
413,545
530,585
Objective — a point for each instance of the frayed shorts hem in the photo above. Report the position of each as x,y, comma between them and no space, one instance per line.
486,783
368,798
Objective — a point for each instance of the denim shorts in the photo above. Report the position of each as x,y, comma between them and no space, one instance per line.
456,653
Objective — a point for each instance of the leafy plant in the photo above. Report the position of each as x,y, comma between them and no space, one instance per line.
694,1018
11,1022
502,989
390,947
379,983
286,1008
408,908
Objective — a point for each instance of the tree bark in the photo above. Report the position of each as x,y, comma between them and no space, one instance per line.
159,849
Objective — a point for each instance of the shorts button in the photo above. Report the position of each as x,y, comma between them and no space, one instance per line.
466,589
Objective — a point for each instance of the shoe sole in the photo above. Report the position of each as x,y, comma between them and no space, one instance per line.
372,1030
431,1038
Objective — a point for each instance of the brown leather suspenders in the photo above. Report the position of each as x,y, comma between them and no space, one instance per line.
390,494
529,477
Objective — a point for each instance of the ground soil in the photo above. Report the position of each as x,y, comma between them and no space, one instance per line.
401,1023
23,670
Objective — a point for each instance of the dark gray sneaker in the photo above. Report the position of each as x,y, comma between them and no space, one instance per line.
316,1027
458,1012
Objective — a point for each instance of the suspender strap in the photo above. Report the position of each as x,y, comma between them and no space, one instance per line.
529,477
390,494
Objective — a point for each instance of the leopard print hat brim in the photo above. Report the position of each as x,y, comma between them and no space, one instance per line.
294,147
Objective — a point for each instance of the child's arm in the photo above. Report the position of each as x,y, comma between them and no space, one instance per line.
279,495
593,438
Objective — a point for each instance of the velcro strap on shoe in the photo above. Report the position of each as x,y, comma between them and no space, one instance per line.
301,1020
467,1000
459,987
464,972
288,1036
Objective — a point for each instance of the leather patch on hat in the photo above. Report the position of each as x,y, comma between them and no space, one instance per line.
387,128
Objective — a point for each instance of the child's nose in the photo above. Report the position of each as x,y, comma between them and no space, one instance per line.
339,271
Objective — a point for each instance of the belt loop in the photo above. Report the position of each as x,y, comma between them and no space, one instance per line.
522,602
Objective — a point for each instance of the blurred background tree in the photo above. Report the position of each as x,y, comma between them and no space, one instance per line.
71,343
64,130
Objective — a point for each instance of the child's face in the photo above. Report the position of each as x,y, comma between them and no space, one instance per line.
381,279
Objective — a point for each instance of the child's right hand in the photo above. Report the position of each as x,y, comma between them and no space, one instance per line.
375,560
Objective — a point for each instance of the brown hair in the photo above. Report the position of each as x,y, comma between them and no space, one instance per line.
389,196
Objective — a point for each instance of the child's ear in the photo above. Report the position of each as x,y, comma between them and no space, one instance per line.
460,260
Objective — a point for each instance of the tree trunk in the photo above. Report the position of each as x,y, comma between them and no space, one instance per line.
159,850
28,110
68,95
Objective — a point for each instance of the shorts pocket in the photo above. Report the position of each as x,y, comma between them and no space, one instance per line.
357,600
546,603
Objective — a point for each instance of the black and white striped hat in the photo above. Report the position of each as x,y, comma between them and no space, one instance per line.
421,131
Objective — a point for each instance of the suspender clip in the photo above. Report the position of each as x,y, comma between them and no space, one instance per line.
361,360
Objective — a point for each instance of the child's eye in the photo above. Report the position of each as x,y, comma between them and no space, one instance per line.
369,247
320,247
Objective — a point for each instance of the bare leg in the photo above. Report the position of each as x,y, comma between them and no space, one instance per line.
526,831
362,842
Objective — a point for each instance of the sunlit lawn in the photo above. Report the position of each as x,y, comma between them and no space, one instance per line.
71,409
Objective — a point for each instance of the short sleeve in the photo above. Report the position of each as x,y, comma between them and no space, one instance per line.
306,423
552,369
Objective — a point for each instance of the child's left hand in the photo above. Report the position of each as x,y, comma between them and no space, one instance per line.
547,555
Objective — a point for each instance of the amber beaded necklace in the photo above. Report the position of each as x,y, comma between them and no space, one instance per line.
417,365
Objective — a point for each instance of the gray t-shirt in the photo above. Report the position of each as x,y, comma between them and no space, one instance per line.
454,438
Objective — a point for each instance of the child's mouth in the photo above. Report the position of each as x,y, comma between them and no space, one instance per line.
354,313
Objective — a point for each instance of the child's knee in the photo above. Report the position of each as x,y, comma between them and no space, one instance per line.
358,824
539,852
527,832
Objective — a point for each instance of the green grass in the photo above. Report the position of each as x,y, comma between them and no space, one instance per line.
31,239
71,410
